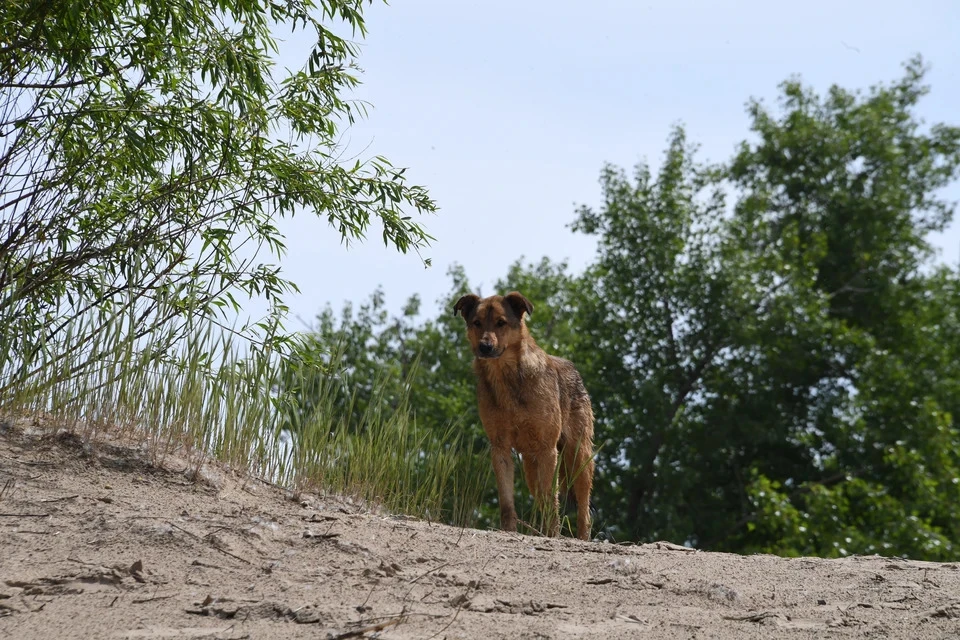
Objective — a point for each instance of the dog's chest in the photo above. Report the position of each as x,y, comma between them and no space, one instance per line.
507,391
517,410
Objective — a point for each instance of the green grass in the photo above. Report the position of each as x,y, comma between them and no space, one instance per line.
382,456
199,394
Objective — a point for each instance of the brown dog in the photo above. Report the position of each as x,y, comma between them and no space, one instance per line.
531,402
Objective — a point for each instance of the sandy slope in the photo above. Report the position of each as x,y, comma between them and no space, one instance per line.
97,543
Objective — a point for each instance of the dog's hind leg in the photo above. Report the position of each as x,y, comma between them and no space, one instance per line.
578,468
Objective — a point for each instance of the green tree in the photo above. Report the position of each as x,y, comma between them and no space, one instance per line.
779,374
771,351
146,152
655,312
845,190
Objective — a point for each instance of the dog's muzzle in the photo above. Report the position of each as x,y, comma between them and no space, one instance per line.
486,350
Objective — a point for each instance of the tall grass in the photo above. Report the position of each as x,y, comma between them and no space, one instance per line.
391,462
380,454
200,394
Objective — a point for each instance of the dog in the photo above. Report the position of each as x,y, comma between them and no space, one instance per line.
533,403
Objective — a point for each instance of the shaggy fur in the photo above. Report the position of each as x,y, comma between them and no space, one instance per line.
533,403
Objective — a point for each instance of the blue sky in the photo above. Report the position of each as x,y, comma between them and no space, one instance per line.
507,111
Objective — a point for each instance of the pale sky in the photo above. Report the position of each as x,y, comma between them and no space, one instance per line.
506,112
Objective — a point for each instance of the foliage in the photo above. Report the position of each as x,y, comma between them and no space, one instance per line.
377,449
771,350
780,372
146,152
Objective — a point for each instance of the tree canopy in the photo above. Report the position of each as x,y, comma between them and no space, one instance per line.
769,343
147,150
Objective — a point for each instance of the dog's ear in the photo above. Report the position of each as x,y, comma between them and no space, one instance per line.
465,305
518,303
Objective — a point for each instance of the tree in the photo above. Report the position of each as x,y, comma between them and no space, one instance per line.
848,189
779,374
146,152
771,351
655,312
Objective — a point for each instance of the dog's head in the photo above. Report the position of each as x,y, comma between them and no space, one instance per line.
494,324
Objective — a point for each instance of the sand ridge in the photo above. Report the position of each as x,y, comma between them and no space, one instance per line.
97,541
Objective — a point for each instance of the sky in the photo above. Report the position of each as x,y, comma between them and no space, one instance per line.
507,111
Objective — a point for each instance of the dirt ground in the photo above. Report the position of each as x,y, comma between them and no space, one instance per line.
96,542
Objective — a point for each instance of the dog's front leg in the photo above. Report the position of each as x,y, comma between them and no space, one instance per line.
539,469
503,470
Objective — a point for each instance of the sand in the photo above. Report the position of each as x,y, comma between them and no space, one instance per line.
100,540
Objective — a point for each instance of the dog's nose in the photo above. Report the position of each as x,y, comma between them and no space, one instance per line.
485,348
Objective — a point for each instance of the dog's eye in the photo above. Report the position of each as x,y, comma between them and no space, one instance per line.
501,322
476,323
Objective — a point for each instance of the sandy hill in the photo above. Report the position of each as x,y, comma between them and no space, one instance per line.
97,541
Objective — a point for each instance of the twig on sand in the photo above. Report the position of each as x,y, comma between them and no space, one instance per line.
429,571
754,616
199,539
380,626
153,598
531,527
462,600
61,499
